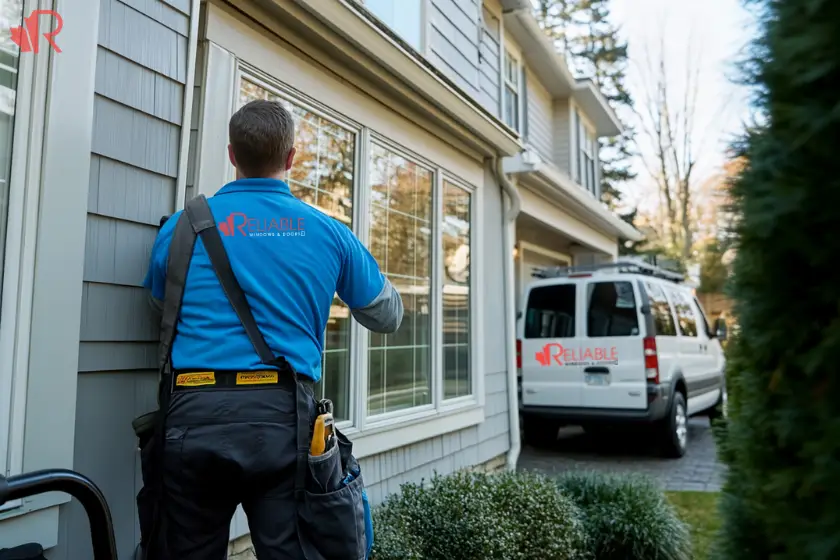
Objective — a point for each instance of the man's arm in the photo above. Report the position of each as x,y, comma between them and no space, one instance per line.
155,280
373,300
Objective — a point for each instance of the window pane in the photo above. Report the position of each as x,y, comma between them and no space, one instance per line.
685,316
551,312
322,176
660,309
402,16
400,240
12,14
456,292
511,112
611,310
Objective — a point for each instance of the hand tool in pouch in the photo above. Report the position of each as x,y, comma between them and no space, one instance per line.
323,434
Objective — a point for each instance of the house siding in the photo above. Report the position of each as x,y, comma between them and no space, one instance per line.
465,47
562,135
141,76
540,118
490,63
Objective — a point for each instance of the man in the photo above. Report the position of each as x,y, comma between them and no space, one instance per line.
228,446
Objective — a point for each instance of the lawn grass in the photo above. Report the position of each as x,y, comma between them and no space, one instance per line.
699,511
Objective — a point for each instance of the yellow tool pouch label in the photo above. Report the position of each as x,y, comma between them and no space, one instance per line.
256,377
195,379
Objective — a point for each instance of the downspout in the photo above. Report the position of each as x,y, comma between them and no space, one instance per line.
508,242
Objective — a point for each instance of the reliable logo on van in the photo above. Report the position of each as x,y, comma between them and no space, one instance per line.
576,356
261,227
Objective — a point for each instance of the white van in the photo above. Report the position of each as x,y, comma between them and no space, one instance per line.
612,344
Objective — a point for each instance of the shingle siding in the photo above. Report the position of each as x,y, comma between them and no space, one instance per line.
540,118
562,135
465,47
141,75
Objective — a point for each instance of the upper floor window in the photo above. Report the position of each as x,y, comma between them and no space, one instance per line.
586,147
512,91
405,17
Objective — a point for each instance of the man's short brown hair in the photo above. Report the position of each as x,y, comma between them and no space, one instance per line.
262,133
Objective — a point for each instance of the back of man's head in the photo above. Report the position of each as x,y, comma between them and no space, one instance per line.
262,135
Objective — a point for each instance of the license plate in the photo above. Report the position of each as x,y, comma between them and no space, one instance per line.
598,379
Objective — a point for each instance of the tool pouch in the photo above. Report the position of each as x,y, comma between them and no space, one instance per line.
335,519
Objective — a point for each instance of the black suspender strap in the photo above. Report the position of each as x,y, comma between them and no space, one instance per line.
178,263
204,225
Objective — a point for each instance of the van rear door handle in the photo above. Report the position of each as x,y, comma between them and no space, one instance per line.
596,369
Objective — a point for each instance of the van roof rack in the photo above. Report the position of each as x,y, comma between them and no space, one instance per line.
623,266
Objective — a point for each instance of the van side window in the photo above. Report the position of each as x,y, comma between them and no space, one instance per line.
611,310
685,315
551,312
663,317
703,318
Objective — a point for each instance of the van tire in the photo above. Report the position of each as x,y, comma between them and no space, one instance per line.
673,428
540,433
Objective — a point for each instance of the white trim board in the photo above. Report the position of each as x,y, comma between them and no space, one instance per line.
46,361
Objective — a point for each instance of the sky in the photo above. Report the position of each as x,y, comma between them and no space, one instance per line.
716,31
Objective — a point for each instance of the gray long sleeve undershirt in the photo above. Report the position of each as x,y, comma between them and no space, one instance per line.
384,314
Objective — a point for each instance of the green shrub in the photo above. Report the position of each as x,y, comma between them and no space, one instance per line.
539,519
627,517
470,516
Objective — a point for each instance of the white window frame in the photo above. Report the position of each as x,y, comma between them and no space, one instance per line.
509,52
19,256
585,146
255,76
388,431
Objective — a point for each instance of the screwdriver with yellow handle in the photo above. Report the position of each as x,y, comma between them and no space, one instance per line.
323,433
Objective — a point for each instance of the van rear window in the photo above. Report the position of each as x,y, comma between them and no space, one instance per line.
611,310
551,312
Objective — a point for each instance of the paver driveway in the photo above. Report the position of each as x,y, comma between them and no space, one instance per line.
699,469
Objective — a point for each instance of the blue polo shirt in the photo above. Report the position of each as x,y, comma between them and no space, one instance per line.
289,258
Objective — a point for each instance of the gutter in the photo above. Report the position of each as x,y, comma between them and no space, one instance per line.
508,241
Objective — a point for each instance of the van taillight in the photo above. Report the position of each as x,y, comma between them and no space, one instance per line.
651,360
519,354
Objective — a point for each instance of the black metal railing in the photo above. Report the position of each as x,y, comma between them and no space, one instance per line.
78,486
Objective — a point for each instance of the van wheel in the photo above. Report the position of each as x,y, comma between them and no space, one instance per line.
540,433
674,429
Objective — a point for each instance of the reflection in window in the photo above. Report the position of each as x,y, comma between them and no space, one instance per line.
456,292
11,14
322,176
663,319
685,315
401,241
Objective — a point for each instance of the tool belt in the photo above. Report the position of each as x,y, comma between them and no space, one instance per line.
334,520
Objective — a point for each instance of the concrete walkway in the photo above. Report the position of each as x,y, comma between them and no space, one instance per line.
699,469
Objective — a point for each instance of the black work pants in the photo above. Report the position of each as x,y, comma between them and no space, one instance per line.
226,447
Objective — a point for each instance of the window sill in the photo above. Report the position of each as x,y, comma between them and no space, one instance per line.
390,434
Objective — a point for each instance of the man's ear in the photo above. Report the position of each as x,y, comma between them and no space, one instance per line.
289,160
231,157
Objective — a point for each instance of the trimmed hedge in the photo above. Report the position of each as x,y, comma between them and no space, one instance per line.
523,516
472,516
627,517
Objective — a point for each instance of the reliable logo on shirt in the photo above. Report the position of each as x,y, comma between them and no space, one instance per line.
241,223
